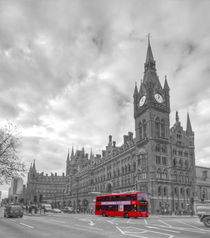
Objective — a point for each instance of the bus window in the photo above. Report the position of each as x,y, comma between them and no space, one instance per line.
142,208
142,197
130,208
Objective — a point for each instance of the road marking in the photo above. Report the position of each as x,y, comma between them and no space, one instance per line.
120,230
146,222
191,225
130,233
153,227
91,223
168,225
88,227
27,225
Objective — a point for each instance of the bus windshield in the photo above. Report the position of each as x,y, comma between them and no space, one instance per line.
142,197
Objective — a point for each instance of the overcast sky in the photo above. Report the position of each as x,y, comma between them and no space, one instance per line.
68,69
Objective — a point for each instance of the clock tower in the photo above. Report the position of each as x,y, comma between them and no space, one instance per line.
151,104
151,114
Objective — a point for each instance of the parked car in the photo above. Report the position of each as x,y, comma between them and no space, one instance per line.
47,207
68,210
56,210
13,211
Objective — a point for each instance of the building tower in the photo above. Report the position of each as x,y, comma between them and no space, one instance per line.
151,114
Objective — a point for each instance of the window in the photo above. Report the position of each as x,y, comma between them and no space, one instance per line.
174,152
205,175
144,129
165,191
140,131
157,159
164,160
144,175
157,148
134,166
182,192
180,163
176,191
157,127
164,174
162,128
159,173
164,149
159,191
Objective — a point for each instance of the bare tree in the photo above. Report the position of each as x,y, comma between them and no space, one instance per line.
10,164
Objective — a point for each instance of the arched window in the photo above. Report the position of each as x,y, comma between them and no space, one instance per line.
159,173
144,129
157,127
126,169
165,191
174,162
159,191
176,191
123,170
140,131
188,192
182,192
162,128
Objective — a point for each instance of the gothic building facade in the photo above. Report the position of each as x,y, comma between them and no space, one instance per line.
43,188
159,160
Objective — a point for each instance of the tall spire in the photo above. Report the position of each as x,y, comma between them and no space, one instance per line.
34,166
189,127
72,152
150,62
166,87
135,90
68,156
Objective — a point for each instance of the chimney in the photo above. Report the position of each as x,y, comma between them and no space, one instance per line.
114,144
55,174
130,135
103,153
125,139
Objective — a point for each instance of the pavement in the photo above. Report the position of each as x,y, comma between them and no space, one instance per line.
64,225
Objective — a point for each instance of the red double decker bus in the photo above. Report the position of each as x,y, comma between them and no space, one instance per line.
125,205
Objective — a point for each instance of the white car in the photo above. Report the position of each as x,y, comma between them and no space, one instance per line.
56,210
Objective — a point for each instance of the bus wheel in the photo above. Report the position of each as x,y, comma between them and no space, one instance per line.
206,221
126,215
103,214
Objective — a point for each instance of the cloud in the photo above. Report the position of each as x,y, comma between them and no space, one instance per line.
68,70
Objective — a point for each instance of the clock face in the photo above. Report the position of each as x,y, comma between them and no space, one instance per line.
142,101
158,98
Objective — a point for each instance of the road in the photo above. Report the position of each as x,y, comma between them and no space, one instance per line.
80,225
